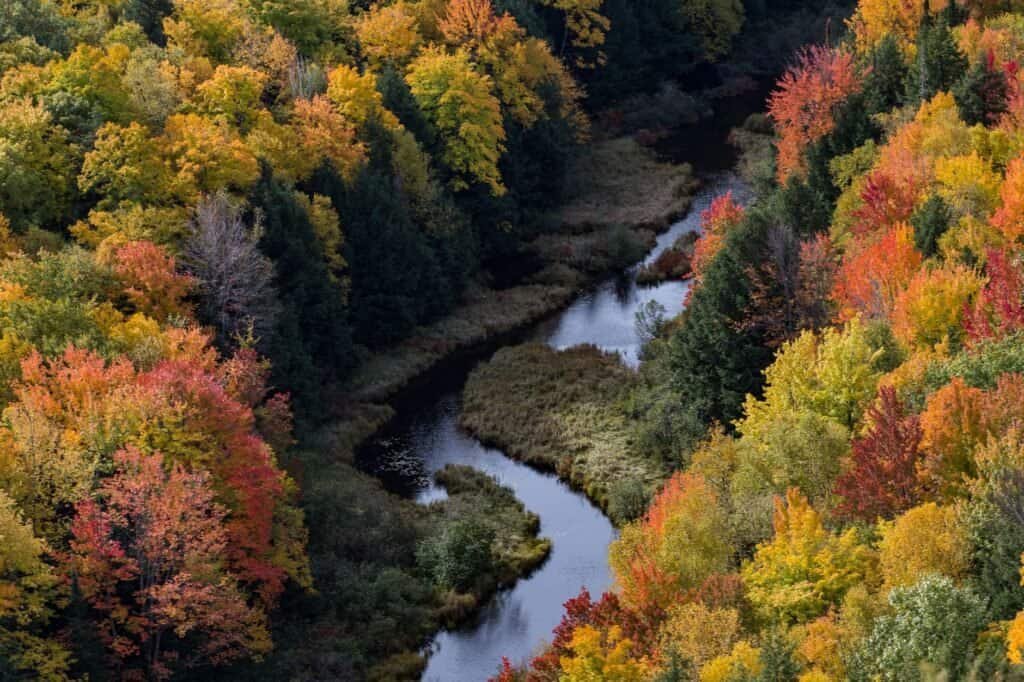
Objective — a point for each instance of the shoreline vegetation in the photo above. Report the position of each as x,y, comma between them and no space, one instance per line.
577,250
571,418
232,234
577,247
675,262
362,534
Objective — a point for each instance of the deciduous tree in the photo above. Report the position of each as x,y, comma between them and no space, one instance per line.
805,100
870,279
29,595
999,308
682,540
927,539
37,162
236,280
882,478
933,621
804,569
460,102
930,310
125,165
389,33
150,557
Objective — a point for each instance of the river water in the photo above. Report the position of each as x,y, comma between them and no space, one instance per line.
426,437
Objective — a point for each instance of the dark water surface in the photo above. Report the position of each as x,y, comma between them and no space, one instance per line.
425,437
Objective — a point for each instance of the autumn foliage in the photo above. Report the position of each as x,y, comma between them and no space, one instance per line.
805,101
868,494
870,280
150,557
882,479
999,309
716,221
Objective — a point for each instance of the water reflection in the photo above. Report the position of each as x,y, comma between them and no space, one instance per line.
606,316
517,621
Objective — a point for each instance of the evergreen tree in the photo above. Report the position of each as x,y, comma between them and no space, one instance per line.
981,93
715,365
396,280
397,99
939,64
777,659
884,84
313,342
930,222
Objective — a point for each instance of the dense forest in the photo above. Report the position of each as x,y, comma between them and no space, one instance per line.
214,214
838,410
232,230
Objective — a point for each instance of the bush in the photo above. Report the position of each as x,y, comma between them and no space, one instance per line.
458,555
627,501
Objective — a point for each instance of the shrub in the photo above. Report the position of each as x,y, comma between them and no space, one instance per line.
627,501
458,555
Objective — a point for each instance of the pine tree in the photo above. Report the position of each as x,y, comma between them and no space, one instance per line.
939,65
313,342
884,85
930,222
981,93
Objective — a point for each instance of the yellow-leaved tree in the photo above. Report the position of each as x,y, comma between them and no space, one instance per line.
356,97
716,23
925,539
805,569
28,592
389,34
682,540
605,656
460,102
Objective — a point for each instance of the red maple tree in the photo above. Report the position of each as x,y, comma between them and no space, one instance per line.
882,480
148,554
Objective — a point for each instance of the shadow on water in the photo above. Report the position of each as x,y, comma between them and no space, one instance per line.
424,437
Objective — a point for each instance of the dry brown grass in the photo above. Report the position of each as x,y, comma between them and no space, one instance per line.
485,314
620,182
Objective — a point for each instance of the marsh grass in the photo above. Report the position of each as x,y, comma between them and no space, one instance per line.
597,252
560,411
620,182
485,314
517,550
374,607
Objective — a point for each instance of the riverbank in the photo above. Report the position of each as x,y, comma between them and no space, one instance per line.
377,599
590,401
592,240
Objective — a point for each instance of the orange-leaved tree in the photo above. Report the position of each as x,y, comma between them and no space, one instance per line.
873,276
804,104
682,540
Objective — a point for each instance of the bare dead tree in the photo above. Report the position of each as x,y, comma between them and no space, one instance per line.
236,281
305,79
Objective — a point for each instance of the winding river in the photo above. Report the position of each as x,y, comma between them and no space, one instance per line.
426,437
